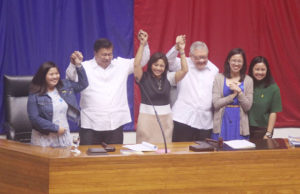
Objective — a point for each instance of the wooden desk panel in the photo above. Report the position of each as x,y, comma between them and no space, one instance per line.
21,172
181,171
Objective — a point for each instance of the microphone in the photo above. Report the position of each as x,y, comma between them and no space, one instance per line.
156,115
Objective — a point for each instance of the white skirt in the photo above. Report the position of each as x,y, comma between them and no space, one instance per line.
148,128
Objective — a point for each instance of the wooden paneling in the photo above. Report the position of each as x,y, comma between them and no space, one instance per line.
181,171
21,172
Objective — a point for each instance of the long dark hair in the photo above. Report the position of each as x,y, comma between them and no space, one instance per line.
154,58
38,83
268,80
227,65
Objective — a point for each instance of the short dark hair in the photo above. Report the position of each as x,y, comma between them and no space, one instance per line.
102,43
154,58
235,51
38,83
268,80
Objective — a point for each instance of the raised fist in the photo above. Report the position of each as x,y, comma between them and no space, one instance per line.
180,42
143,37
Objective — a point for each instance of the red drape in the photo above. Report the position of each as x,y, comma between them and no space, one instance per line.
261,27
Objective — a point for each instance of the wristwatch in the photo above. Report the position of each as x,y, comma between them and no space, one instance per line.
268,134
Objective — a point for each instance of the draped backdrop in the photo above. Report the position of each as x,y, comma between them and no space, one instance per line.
261,27
34,31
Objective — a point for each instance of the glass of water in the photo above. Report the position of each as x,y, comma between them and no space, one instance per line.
76,141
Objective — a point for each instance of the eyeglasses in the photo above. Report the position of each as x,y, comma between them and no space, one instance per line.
236,61
198,58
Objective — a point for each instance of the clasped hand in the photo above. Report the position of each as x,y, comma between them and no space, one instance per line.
76,58
234,86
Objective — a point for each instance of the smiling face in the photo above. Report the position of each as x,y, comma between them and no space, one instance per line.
104,56
158,68
52,78
199,58
236,63
259,71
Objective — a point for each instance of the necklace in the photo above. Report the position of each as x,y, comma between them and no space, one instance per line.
158,81
260,92
159,84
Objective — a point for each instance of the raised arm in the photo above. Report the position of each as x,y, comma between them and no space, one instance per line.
174,61
71,73
76,58
138,69
180,43
146,54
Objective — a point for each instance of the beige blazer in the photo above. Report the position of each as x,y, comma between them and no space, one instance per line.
219,102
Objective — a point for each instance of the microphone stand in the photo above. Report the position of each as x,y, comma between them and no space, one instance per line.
157,118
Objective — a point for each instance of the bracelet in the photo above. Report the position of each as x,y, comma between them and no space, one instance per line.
268,134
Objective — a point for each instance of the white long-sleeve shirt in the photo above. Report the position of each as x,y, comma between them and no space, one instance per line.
104,105
193,106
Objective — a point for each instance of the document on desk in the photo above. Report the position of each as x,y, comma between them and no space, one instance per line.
240,144
143,147
294,141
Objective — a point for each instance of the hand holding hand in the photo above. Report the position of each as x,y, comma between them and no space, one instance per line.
61,130
180,43
143,37
76,58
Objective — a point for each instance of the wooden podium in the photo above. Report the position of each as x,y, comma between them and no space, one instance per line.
31,169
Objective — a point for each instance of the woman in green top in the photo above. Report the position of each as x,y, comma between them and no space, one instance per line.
266,100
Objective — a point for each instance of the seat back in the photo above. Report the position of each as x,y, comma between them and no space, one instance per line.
17,123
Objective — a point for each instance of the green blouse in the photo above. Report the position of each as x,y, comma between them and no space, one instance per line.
265,101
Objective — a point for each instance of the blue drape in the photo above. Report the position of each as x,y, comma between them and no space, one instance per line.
34,31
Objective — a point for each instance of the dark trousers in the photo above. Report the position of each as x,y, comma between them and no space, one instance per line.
257,133
183,132
92,137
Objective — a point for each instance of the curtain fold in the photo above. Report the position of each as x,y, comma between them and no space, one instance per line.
35,31
261,27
